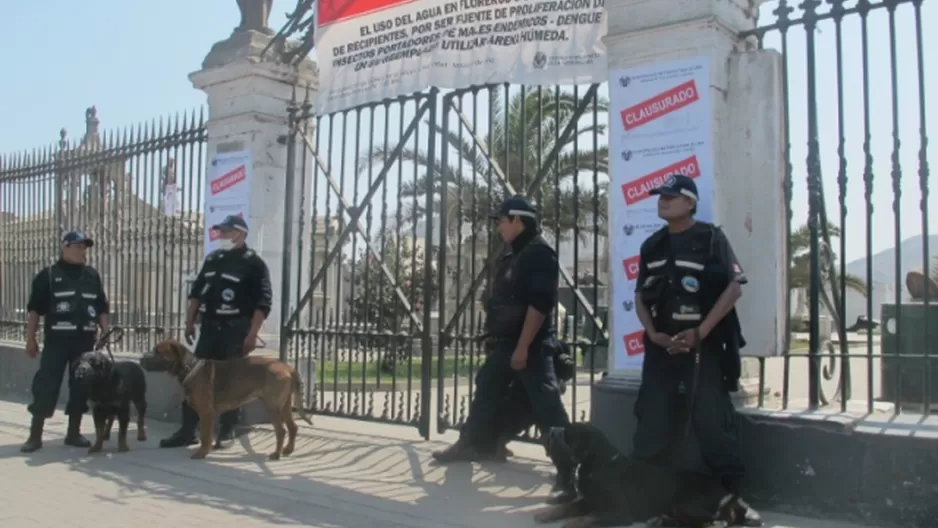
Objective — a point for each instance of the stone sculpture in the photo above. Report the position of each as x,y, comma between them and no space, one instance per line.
254,15
915,282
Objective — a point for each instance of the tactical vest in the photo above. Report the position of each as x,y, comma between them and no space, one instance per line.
505,311
683,283
72,309
225,292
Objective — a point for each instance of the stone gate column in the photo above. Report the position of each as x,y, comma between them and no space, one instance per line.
749,167
247,102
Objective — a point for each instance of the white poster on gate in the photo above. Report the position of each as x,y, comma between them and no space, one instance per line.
227,192
660,124
369,50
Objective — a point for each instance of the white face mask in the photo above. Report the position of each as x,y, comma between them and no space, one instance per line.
226,244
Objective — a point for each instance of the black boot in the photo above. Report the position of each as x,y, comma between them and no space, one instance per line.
185,436
34,442
461,451
564,489
746,515
73,437
226,433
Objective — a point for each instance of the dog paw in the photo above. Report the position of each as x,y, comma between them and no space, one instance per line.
198,455
273,456
543,517
123,448
94,449
287,451
141,437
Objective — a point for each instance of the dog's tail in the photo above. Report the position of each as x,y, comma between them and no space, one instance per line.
298,405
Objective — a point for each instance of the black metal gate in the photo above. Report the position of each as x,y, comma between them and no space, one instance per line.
392,248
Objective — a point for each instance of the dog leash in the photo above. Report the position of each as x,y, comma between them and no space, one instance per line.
694,384
111,337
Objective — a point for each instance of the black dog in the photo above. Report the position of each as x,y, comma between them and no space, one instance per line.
616,490
112,387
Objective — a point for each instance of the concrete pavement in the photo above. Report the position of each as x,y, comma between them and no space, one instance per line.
344,474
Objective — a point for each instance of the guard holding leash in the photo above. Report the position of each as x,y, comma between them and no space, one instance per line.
688,283
519,319
70,298
232,295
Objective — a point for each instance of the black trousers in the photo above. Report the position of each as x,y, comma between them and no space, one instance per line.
59,355
711,444
219,340
488,413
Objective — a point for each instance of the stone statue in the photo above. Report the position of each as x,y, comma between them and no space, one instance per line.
915,282
254,15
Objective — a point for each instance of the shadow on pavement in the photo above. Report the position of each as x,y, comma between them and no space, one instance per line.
335,478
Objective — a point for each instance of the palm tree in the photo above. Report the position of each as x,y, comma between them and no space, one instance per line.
799,270
520,136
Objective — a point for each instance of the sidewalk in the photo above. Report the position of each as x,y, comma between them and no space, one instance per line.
344,474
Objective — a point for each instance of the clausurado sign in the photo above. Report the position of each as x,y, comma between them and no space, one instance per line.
370,50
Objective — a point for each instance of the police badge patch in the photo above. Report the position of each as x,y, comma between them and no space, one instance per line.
92,312
227,295
690,284
62,307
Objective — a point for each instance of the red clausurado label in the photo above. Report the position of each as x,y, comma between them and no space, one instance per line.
213,234
631,267
228,180
637,190
660,105
634,343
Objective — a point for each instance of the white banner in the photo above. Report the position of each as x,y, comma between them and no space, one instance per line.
369,50
227,192
660,124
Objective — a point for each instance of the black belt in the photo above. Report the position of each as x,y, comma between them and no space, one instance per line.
222,320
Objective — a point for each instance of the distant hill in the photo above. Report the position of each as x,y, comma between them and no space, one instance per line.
884,274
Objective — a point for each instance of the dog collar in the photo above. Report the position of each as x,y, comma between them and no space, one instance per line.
191,369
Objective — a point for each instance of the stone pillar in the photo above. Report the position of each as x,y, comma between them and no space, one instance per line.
247,101
749,167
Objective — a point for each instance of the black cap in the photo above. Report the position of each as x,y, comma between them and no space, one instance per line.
76,237
515,206
232,222
677,185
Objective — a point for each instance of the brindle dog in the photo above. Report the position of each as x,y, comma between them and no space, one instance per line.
213,387
616,490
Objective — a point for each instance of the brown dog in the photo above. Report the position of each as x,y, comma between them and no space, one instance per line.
213,387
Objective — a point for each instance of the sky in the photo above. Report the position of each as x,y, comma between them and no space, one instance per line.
132,60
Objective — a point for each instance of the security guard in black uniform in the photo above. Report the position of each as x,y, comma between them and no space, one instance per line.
519,318
70,297
233,296
688,283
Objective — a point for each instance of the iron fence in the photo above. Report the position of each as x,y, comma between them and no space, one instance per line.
388,299
855,97
136,192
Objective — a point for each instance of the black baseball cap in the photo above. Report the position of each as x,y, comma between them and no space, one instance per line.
677,185
232,222
76,237
515,206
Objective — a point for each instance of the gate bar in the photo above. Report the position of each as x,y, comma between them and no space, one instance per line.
356,214
286,265
362,230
